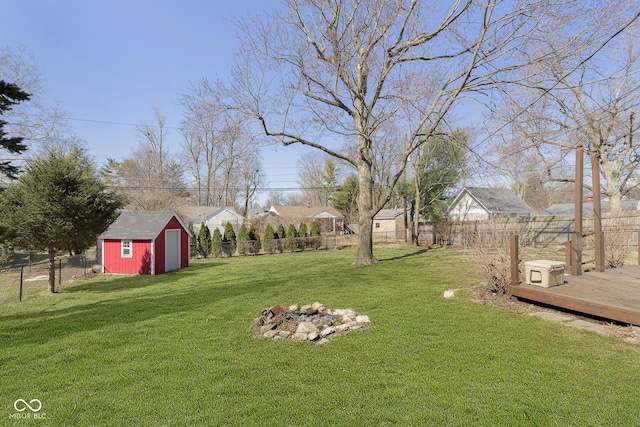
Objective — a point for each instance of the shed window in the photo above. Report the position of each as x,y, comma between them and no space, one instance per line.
377,225
127,251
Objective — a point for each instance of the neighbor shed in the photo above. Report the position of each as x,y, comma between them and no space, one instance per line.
145,242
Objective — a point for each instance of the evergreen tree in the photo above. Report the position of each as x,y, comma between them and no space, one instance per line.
291,236
204,238
270,240
315,228
193,242
216,243
302,235
280,232
243,240
229,240
59,203
10,95
254,240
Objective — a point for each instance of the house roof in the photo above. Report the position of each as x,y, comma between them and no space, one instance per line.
587,208
306,212
496,200
389,214
198,214
139,225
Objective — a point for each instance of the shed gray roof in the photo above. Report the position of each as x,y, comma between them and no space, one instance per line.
587,208
142,225
499,200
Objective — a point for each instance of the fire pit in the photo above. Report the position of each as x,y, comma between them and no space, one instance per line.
309,323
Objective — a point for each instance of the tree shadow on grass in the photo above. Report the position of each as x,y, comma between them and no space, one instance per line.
37,327
108,283
409,255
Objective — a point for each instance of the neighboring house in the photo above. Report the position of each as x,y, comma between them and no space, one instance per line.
328,217
213,217
475,203
390,221
145,242
587,208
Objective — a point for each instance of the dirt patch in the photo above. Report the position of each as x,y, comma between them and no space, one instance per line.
482,295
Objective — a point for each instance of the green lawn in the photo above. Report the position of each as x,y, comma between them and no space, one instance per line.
175,350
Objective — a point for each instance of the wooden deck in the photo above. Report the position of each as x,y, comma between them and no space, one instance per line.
612,295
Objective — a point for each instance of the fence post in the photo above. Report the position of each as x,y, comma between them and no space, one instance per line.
60,274
21,271
515,261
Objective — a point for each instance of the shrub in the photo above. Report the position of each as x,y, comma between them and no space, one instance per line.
243,240
204,237
269,240
216,243
229,240
617,242
193,242
491,251
280,232
315,228
254,240
291,236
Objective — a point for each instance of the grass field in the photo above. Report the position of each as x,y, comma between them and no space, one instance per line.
175,350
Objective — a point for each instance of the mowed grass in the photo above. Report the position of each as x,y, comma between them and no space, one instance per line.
175,350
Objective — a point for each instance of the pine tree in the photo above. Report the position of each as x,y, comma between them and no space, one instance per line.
59,203
270,240
291,236
229,240
193,242
204,237
216,243
10,95
280,232
315,228
254,240
243,240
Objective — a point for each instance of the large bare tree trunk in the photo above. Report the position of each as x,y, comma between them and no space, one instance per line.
364,255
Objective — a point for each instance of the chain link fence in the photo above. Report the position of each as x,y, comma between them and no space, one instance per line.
28,273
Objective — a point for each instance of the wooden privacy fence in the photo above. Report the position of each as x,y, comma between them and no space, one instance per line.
540,231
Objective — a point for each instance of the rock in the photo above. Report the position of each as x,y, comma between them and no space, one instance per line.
363,319
284,334
322,342
341,328
294,307
306,327
267,327
327,331
450,293
305,309
312,336
96,269
299,336
318,306
270,334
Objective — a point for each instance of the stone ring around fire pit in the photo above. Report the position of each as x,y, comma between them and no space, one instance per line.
309,323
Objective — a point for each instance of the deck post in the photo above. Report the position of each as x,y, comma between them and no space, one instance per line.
597,211
515,261
576,239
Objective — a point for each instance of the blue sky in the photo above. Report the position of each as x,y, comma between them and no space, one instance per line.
109,62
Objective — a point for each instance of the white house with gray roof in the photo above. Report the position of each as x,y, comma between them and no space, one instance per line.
476,204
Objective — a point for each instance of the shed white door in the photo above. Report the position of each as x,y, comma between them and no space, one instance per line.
172,250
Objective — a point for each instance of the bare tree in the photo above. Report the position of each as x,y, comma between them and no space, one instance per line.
150,179
327,70
590,98
217,144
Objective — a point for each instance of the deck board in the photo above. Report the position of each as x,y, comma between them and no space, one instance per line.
613,294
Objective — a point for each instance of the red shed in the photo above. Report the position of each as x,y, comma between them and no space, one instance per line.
145,242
